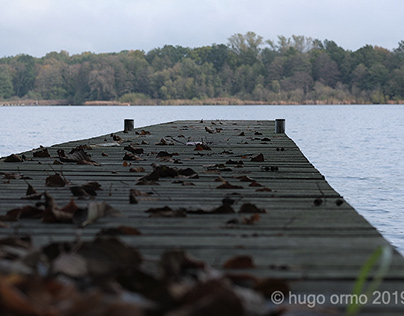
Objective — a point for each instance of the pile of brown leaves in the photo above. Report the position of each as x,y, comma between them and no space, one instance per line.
49,212
106,277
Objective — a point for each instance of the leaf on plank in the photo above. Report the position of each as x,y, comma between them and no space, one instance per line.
250,208
91,187
254,184
209,130
227,185
239,262
264,190
26,211
245,179
233,162
31,194
175,263
94,211
137,169
132,196
14,300
188,173
166,212
41,153
258,158
54,214
201,147
165,154
223,209
217,168
143,133
213,297
251,220
139,193
134,150
77,155
130,156
10,175
116,138
70,264
29,211
13,158
55,181
109,256
163,142
268,286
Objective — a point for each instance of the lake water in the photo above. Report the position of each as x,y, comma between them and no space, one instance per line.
358,148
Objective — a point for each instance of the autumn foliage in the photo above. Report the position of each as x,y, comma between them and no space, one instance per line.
248,70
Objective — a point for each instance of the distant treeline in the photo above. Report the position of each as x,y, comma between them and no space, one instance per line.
246,69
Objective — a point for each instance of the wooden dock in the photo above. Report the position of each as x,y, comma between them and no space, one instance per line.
233,194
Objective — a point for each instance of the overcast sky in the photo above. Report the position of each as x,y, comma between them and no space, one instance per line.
37,27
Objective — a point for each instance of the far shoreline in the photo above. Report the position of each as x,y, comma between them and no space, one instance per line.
157,102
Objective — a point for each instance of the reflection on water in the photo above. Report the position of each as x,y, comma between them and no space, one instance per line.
359,149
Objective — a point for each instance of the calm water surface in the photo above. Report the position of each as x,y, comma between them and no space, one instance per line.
358,148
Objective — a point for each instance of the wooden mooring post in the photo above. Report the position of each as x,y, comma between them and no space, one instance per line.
237,196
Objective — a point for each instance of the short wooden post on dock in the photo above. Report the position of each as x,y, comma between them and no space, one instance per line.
280,126
129,125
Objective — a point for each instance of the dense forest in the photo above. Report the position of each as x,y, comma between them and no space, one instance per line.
247,69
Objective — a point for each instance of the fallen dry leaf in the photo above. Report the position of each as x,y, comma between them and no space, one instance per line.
245,179
201,147
258,158
14,158
251,220
209,130
13,176
233,162
70,264
214,297
31,194
263,190
132,196
250,208
223,209
269,285
254,184
130,156
143,132
87,189
41,153
239,262
134,150
227,185
54,214
94,211
55,181
77,155
137,169
166,212
26,211
14,300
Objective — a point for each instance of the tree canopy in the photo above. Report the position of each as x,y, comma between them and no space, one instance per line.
298,69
